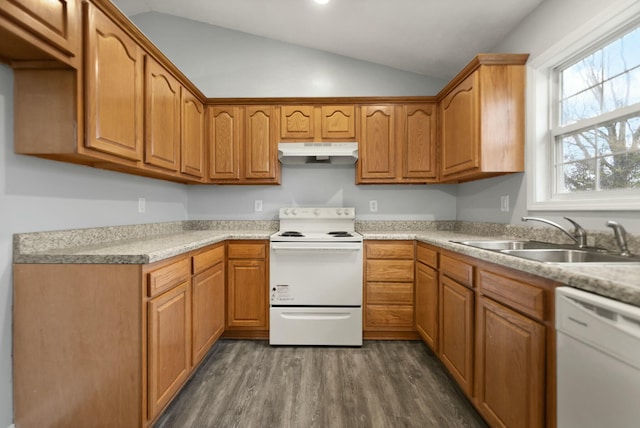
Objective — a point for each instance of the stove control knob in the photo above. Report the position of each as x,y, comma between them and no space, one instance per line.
286,211
316,211
339,211
294,211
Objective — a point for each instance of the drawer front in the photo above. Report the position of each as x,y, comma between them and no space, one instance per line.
389,317
207,259
515,294
395,250
457,270
392,293
389,270
247,251
427,256
161,280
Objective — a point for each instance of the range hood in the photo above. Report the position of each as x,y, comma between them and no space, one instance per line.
318,153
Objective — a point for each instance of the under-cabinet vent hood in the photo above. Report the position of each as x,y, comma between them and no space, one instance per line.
318,153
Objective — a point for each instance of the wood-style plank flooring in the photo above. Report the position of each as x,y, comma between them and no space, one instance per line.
383,384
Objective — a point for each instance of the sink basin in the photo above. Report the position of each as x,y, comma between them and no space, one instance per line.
508,244
570,256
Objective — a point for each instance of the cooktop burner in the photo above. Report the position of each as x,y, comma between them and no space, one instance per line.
340,234
292,233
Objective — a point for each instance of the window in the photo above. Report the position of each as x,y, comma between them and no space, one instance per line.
586,141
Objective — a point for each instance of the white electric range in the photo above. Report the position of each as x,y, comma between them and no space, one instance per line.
315,269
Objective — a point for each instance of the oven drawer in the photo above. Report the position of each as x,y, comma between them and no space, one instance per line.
316,326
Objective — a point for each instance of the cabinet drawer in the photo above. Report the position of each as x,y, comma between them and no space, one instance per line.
389,270
207,259
518,295
160,280
396,250
427,256
247,251
389,317
457,270
394,293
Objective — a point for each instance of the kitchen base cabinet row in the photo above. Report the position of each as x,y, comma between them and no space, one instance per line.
111,345
492,328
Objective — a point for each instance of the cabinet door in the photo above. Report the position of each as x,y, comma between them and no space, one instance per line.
418,142
427,304
460,123
377,144
261,144
338,122
192,139
56,21
169,346
247,295
224,132
510,389
208,310
297,122
456,331
162,117
114,89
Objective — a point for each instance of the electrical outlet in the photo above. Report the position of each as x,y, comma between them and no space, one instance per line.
257,205
504,203
142,205
373,206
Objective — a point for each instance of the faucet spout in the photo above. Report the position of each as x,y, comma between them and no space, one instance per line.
621,237
579,235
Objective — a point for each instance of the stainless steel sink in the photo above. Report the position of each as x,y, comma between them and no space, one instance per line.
570,256
548,252
508,244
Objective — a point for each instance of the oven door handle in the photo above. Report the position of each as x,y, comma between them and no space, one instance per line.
316,315
285,246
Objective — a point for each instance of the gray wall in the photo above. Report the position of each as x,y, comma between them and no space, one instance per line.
480,200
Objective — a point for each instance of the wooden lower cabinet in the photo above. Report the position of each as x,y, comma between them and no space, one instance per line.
510,362
247,293
426,303
169,351
208,303
457,331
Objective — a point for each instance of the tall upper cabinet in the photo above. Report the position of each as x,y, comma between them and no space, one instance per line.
482,119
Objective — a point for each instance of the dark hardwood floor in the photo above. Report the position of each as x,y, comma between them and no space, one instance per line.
383,384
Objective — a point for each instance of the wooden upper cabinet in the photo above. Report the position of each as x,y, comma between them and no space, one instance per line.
460,127
162,117
338,122
482,119
318,123
377,144
37,29
261,144
418,142
224,130
114,89
297,122
192,139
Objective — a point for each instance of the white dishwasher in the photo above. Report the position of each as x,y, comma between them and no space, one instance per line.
598,361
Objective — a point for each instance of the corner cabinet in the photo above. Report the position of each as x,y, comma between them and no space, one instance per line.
397,144
482,119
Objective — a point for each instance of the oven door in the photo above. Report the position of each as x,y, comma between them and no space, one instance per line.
316,273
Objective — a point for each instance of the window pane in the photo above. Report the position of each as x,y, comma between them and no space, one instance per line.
579,146
622,91
577,176
582,75
581,106
621,55
620,171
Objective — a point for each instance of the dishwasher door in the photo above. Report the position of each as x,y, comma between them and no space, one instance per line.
598,361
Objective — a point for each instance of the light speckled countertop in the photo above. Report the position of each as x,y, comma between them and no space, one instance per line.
150,243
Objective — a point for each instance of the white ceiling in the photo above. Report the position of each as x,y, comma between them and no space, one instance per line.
431,37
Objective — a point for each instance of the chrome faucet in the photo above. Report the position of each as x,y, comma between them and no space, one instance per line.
579,235
621,237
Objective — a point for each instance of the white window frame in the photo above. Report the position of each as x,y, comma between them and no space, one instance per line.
541,93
